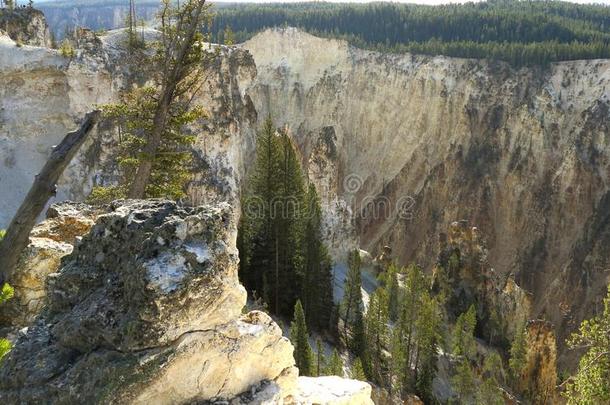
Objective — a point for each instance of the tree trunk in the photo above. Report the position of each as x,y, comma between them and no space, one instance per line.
44,187
173,75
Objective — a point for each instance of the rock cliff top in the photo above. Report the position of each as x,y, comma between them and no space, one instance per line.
26,26
147,308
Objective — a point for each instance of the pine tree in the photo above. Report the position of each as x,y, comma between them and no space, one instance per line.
463,382
320,358
489,391
518,352
335,365
317,294
171,167
287,275
178,59
463,342
303,355
591,384
357,371
258,226
376,327
393,292
358,334
352,292
415,285
428,327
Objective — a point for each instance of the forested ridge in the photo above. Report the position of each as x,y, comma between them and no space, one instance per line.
519,32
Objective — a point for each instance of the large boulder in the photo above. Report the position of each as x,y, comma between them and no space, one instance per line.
147,309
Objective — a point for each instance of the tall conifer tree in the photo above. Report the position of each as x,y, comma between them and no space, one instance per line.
303,354
317,294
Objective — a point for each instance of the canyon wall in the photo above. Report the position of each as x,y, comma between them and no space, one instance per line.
399,146
418,142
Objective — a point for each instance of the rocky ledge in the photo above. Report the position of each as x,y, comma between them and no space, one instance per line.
147,308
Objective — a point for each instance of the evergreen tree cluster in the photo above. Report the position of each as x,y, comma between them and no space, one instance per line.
305,360
396,341
519,32
282,256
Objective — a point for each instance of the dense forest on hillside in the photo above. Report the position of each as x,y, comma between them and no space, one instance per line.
519,32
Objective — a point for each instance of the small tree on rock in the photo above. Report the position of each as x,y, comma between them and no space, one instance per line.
303,354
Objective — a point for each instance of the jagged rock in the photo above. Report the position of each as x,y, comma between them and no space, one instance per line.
25,25
147,309
67,221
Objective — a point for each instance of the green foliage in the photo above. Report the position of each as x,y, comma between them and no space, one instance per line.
415,338
519,32
352,296
335,365
228,36
518,352
489,391
463,381
463,342
2,234
391,278
280,238
303,354
171,170
66,49
591,384
320,359
353,306
317,291
5,347
377,336
357,371
6,293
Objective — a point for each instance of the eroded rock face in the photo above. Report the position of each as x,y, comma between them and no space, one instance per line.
539,375
523,154
467,278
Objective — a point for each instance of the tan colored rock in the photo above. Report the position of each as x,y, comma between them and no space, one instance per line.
41,258
223,362
66,222
539,375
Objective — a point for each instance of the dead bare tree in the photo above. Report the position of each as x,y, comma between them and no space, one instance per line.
44,187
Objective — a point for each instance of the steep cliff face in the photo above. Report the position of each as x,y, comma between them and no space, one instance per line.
423,141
